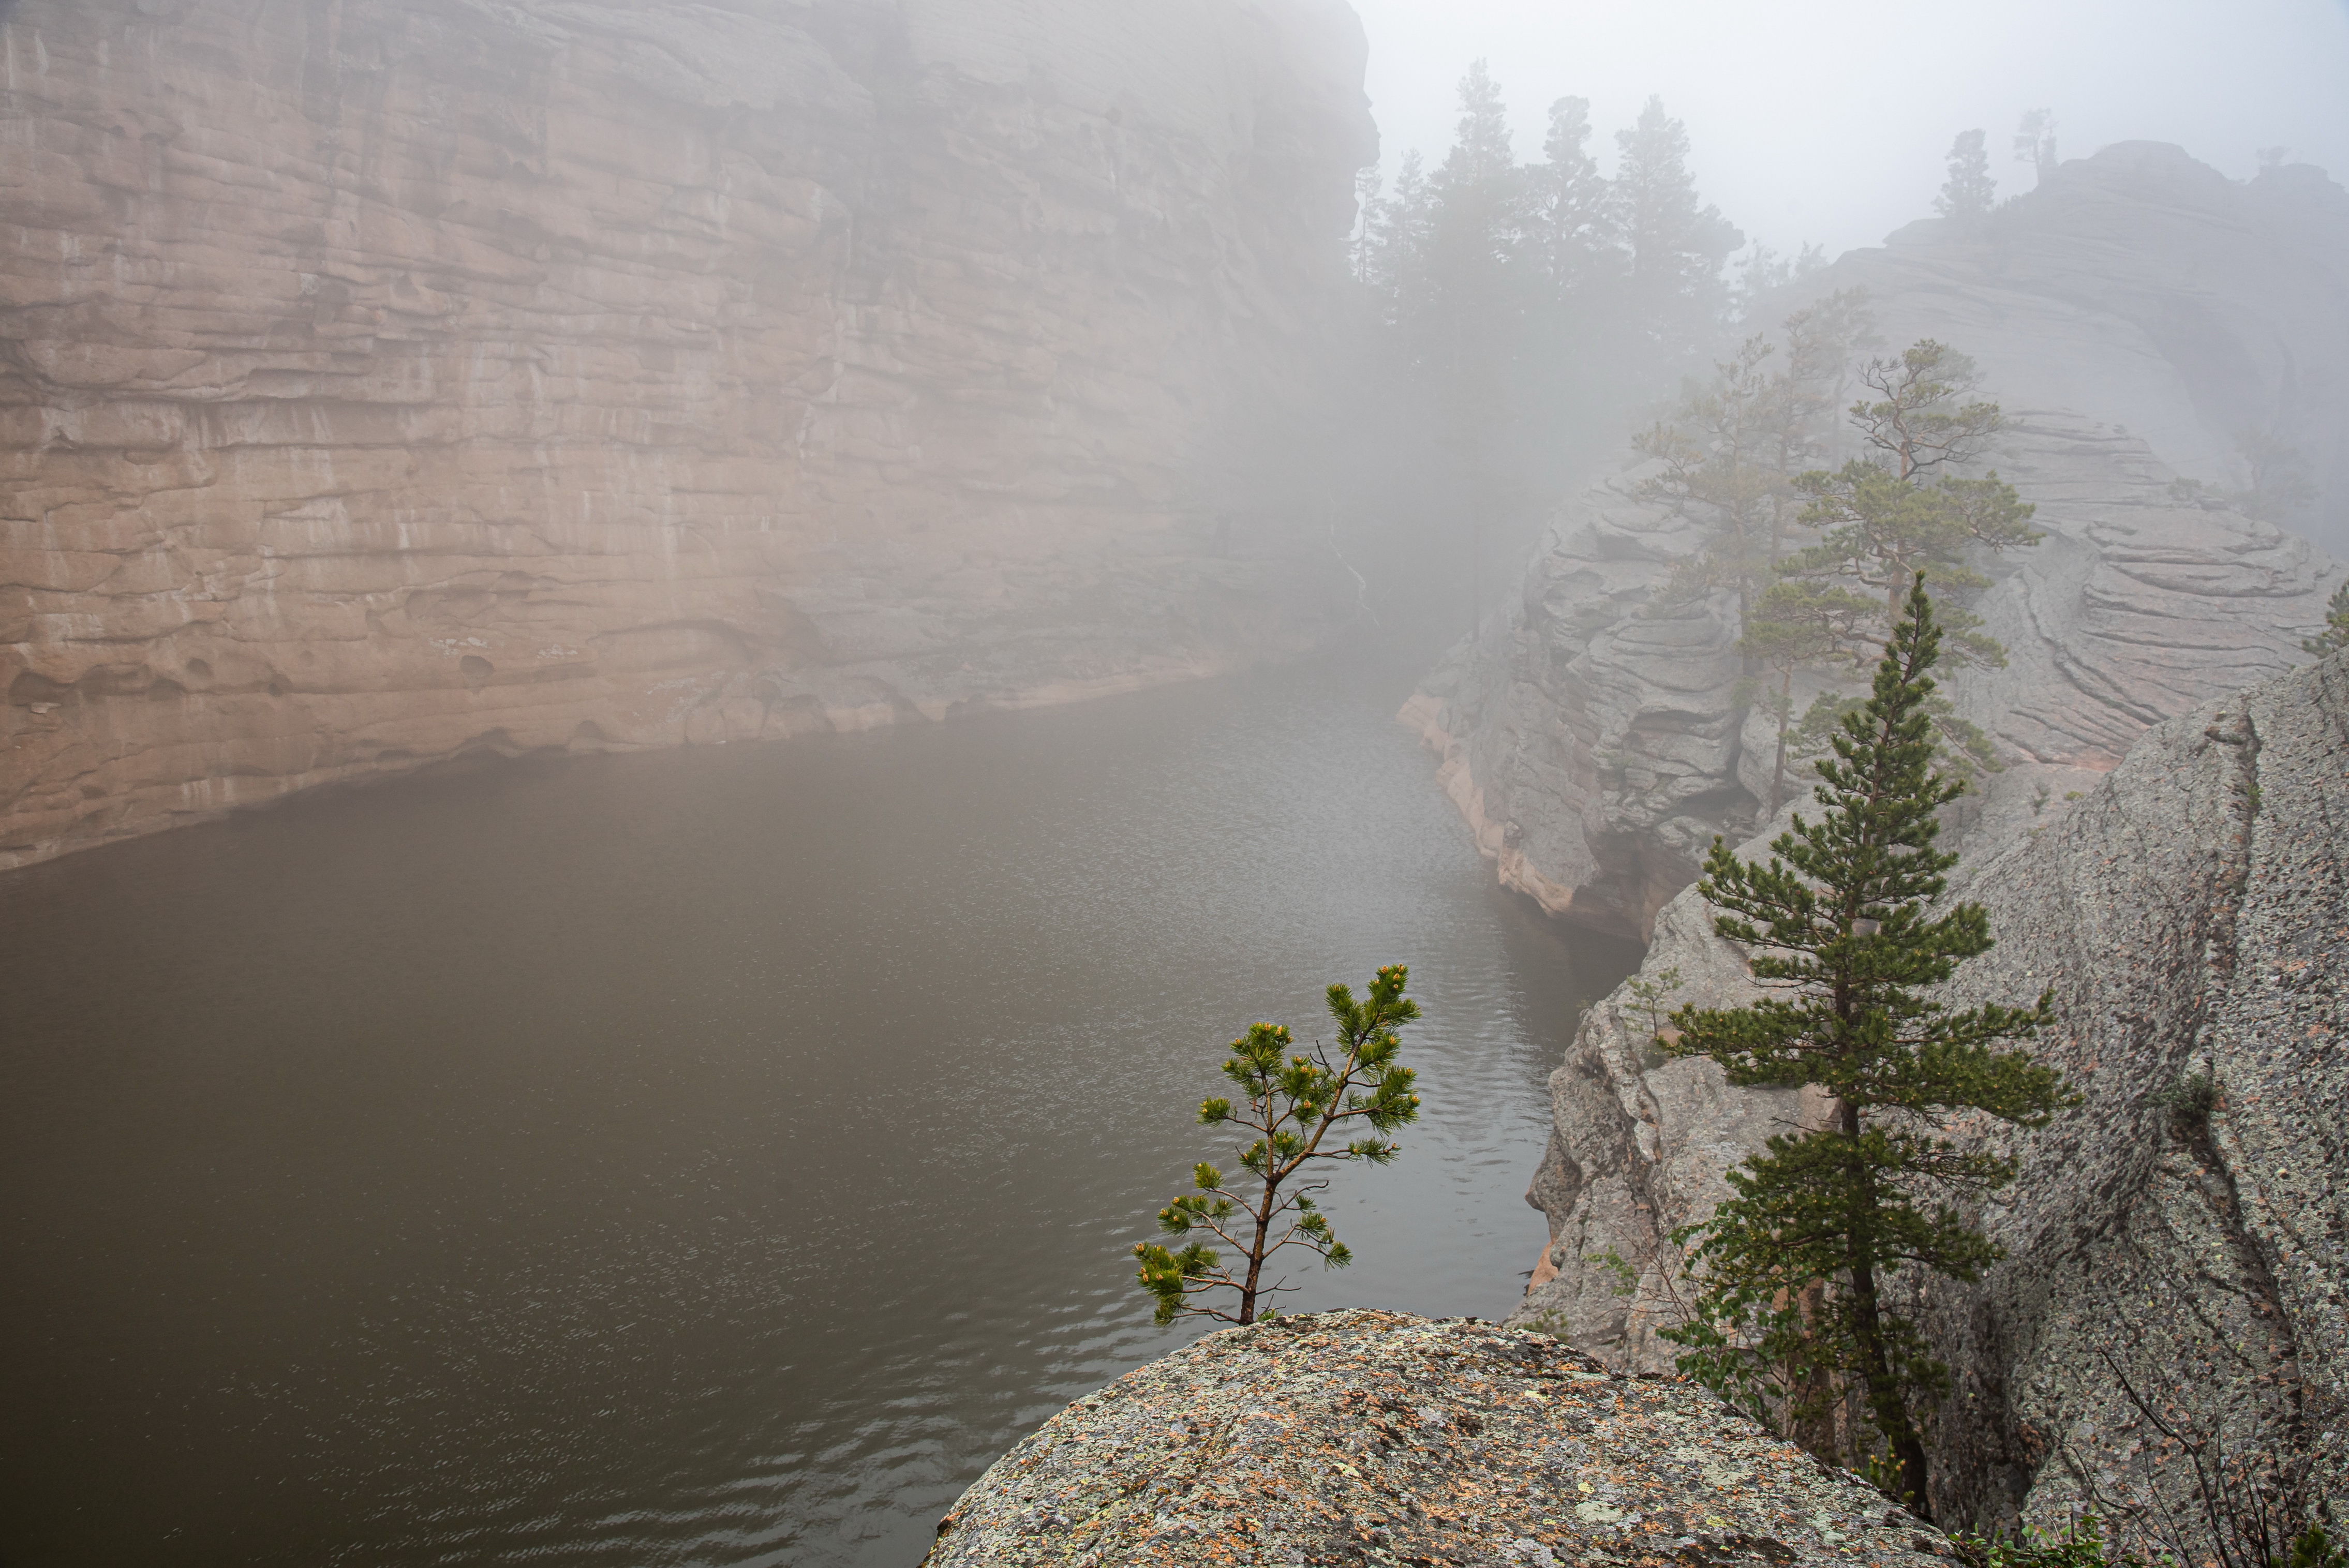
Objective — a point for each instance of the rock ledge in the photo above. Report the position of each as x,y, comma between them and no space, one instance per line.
1379,1436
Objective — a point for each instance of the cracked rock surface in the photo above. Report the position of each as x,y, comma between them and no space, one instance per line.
1365,1437
2191,914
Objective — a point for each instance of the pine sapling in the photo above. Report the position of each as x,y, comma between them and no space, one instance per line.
1297,1105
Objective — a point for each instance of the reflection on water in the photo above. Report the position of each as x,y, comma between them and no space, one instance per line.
710,1156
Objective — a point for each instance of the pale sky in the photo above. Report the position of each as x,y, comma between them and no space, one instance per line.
1828,121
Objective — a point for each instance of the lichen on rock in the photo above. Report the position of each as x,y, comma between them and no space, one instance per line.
1368,1436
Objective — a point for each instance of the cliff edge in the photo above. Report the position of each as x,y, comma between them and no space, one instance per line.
2184,1231
1378,1437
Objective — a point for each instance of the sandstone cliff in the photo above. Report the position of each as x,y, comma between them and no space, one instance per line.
380,381
1376,1437
2131,316
2191,912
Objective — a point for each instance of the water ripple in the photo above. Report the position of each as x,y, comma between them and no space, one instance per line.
710,1157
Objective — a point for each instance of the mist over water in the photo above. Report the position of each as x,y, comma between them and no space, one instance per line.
718,1155
719,1135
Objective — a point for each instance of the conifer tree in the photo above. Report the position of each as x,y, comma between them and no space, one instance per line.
1481,149
1902,510
1363,245
1678,247
1800,625
1568,210
1399,231
2035,142
1728,455
2279,484
2335,635
1967,194
1714,469
1792,1271
1296,1105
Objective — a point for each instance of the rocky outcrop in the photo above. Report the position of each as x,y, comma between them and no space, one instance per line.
2191,913
1592,735
1376,1437
2129,316
2144,288
380,381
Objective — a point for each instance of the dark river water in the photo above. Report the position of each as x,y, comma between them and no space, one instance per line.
710,1157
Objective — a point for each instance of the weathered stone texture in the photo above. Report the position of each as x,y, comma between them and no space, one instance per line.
380,381
1589,731
1591,736
2191,912
1376,1437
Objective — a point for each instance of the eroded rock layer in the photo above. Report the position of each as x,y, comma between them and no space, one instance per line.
2191,913
379,380
1376,1437
2131,317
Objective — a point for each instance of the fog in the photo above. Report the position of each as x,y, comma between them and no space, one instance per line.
1825,122
673,667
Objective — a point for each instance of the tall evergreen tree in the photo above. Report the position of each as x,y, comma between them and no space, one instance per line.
1728,456
1363,246
1966,196
1475,225
1481,148
1399,228
1297,1106
1472,329
1712,469
1568,212
1677,247
1792,1270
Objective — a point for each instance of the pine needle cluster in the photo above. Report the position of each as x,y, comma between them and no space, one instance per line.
1845,918
1297,1104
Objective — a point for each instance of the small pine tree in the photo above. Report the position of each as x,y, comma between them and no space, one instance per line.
2035,142
1792,1270
1890,515
2336,634
1293,1104
1967,194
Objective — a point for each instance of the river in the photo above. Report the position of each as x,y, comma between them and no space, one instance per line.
715,1156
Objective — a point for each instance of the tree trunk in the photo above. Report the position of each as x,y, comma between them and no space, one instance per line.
1886,1402
1786,716
1256,1255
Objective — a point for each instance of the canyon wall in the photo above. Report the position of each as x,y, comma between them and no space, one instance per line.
2190,914
381,382
2133,317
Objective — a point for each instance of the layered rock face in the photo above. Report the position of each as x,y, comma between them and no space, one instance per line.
1592,733
1376,1437
2191,913
2130,317
380,381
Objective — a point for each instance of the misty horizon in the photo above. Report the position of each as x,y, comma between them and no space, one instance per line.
1833,133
